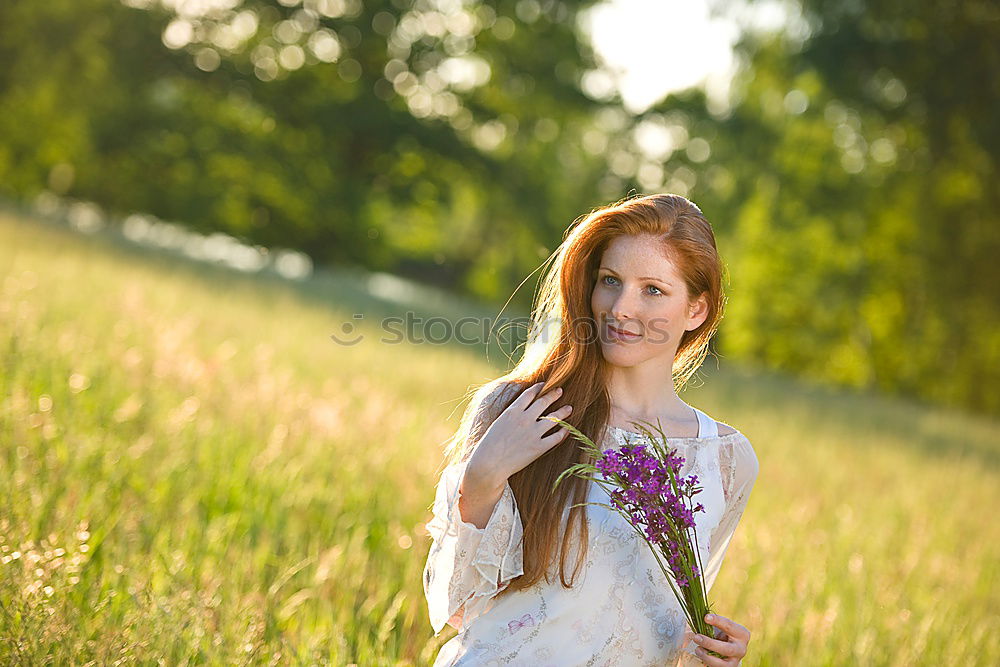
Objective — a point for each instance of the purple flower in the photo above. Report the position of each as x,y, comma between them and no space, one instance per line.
646,487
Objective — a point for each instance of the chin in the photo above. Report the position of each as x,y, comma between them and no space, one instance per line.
616,356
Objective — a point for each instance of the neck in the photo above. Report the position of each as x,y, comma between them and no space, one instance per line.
646,393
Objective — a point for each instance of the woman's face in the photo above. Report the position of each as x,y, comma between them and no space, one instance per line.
641,292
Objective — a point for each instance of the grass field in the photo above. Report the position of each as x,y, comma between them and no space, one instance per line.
191,471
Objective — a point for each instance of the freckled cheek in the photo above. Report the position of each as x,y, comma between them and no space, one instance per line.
599,303
659,331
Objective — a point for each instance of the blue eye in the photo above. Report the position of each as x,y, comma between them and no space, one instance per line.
658,291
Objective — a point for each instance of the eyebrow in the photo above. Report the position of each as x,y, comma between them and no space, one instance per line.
659,280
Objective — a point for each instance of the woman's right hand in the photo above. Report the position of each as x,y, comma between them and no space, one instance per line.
515,438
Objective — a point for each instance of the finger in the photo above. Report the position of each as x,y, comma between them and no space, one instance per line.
732,628
551,441
559,413
525,398
551,420
711,660
542,403
718,645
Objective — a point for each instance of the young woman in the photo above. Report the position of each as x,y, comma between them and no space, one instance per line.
623,319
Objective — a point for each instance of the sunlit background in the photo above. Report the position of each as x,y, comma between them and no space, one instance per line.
213,449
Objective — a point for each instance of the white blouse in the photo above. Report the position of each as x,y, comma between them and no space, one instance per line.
620,610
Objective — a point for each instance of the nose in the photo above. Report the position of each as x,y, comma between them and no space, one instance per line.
622,308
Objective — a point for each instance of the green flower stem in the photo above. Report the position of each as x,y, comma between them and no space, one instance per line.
694,600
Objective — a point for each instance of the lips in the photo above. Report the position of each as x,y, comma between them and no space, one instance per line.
621,333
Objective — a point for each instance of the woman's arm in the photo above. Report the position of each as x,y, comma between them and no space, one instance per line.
477,537
467,565
477,499
739,467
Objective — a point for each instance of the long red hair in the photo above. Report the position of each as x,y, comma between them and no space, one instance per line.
563,351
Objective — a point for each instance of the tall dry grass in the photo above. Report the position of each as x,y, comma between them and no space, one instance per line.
193,472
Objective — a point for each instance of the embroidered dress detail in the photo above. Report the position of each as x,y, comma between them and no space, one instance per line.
620,611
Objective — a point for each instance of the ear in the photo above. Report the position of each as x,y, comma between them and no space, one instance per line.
697,312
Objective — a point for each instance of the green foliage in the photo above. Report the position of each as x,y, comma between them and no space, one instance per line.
852,182
861,233
243,120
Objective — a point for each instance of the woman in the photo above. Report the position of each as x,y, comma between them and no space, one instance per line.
623,319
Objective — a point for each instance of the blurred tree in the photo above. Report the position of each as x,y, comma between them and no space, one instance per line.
854,178
415,137
851,179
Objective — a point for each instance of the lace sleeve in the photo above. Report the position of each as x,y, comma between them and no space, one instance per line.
466,565
739,466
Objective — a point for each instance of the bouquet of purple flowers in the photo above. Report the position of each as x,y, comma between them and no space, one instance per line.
645,487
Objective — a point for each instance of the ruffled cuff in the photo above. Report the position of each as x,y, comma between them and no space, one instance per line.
467,565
